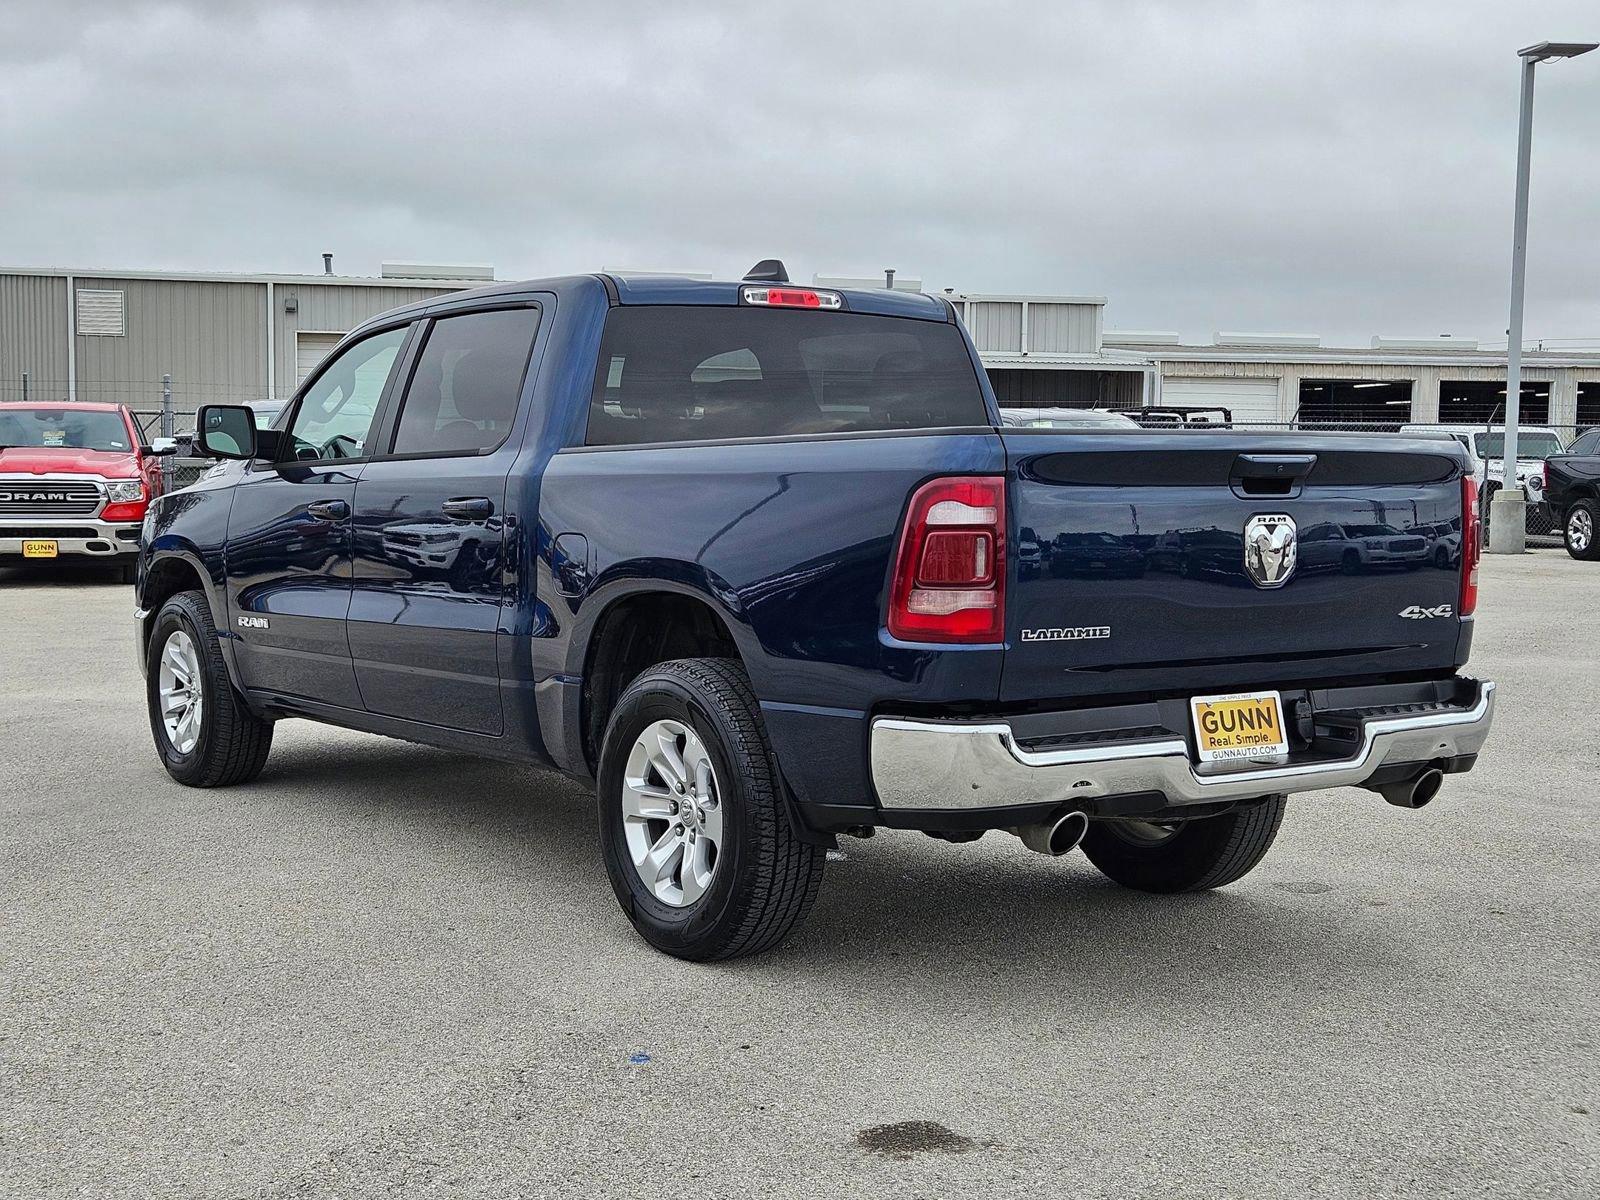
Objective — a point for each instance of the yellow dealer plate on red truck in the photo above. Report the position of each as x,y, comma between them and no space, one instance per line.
38,548
1244,725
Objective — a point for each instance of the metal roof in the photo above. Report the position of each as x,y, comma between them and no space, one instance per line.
1359,356
239,277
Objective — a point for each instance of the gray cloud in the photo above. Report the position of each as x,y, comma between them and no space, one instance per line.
1336,168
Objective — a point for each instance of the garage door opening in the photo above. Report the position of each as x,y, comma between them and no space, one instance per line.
1067,389
1588,405
1359,403
1251,401
1463,403
309,351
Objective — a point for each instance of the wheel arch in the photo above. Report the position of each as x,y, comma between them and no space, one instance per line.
163,573
632,628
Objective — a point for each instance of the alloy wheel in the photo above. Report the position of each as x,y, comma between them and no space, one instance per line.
182,698
672,813
1580,529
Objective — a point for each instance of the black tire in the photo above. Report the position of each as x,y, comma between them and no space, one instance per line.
765,878
1591,551
233,742
1207,852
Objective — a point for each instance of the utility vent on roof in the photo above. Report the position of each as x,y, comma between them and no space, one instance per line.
1443,342
100,313
1302,340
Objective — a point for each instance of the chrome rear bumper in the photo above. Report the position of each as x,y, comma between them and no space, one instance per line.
963,766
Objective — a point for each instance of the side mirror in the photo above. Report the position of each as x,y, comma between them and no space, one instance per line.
162,447
225,431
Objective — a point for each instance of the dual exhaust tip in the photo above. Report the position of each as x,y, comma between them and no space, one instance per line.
1054,837
1061,835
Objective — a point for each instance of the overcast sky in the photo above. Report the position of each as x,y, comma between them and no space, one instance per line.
1329,167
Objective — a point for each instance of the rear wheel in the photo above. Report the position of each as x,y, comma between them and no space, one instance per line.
693,829
204,732
1582,519
1185,856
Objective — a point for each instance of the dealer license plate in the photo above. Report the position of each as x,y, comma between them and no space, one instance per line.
1244,725
33,548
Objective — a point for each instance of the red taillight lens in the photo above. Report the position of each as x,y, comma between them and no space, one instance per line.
949,569
789,297
1471,546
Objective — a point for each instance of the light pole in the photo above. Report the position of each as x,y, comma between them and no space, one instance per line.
1507,531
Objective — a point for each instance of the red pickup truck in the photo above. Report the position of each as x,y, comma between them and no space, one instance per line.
74,480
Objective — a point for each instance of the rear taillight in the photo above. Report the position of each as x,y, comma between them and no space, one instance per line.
1471,543
949,582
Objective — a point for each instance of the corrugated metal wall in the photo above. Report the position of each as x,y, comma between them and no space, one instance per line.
995,325
1064,328
33,336
1053,327
210,337
331,308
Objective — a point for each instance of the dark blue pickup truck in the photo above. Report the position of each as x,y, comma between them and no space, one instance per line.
763,562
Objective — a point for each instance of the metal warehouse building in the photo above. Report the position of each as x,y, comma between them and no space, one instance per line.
1054,351
222,338
113,335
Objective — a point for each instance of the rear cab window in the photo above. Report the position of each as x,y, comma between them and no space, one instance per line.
677,373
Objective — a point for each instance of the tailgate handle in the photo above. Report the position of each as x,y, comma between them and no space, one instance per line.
1270,474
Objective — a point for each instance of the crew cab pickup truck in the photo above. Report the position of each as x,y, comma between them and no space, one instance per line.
74,481
743,555
1572,492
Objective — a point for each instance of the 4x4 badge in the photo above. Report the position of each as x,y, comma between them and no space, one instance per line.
1417,613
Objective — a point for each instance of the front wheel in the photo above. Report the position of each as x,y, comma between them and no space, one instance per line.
204,732
1185,856
696,839
1580,530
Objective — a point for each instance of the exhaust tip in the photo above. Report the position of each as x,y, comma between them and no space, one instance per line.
1417,793
1057,837
1067,833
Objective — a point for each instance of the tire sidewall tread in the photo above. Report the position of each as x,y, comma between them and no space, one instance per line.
234,742
766,878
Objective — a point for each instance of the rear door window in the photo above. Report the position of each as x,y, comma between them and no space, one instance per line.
675,373
464,391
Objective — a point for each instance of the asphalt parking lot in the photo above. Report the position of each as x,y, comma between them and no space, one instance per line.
383,969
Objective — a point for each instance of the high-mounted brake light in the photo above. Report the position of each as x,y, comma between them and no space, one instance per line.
787,297
1471,546
949,581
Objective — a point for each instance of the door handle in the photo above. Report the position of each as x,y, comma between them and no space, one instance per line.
472,508
329,510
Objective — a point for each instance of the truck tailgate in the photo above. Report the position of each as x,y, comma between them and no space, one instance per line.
1128,568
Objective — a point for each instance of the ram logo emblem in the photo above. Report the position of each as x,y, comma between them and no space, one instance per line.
1270,549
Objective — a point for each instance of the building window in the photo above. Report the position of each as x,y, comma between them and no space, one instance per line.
100,313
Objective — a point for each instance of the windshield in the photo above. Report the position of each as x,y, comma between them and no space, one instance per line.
1529,444
266,414
50,428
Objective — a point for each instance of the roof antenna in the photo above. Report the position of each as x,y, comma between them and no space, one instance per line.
768,270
